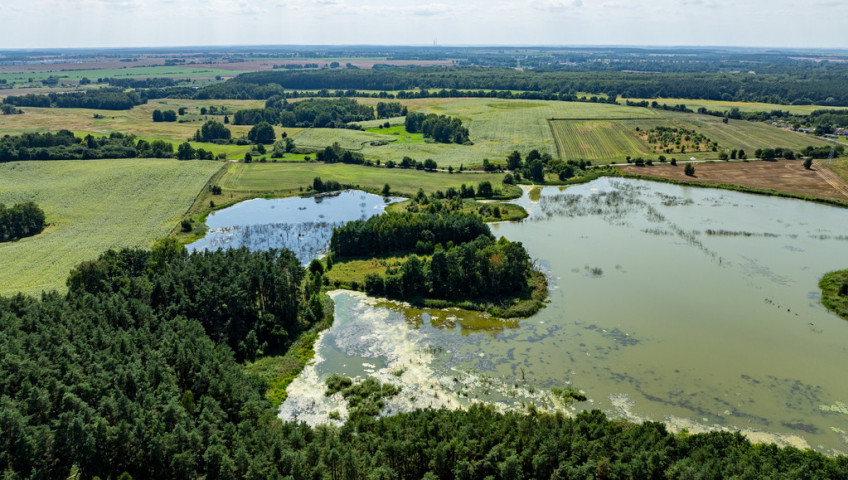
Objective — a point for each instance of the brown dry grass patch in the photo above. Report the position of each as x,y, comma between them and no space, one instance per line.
783,175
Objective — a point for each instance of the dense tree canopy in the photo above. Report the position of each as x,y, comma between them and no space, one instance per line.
134,371
441,128
101,98
824,87
261,133
312,112
20,220
479,269
63,145
213,131
400,232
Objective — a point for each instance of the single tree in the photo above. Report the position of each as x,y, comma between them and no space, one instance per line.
689,170
261,133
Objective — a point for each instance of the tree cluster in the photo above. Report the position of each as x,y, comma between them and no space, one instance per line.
390,109
309,113
336,154
20,220
213,131
823,151
480,269
164,116
409,162
63,145
401,232
440,128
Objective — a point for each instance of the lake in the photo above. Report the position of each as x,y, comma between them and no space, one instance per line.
697,307
301,224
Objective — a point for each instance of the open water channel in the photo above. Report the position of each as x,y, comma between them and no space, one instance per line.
697,307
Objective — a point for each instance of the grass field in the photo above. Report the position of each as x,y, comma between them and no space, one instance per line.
399,133
92,206
721,106
610,141
133,72
496,126
286,178
349,139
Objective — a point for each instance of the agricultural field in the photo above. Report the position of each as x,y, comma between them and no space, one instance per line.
75,76
721,106
280,179
496,126
91,206
137,121
600,140
610,141
781,175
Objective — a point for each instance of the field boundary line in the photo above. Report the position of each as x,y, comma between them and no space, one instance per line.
831,178
609,119
556,139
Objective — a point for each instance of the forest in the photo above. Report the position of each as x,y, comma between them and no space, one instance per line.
824,87
20,220
116,380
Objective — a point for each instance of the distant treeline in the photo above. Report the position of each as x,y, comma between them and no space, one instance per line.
63,145
824,87
441,128
309,113
143,82
20,220
227,90
102,99
401,232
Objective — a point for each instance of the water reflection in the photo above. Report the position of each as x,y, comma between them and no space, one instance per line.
303,225
692,306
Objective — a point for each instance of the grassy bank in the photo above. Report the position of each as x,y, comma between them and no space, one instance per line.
834,287
350,274
280,369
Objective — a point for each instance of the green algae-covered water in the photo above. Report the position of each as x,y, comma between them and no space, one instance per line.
697,307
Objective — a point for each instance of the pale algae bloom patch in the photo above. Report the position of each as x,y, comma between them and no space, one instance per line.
696,307
400,345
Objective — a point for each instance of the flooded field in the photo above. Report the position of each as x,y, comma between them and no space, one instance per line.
303,225
697,307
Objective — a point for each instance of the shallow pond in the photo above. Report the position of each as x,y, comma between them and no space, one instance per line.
697,307
303,225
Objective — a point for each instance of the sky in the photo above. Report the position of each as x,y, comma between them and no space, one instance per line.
140,23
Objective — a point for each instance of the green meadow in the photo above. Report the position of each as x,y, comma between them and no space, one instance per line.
91,206
280,179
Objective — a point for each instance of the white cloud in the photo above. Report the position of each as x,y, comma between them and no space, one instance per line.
49,23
